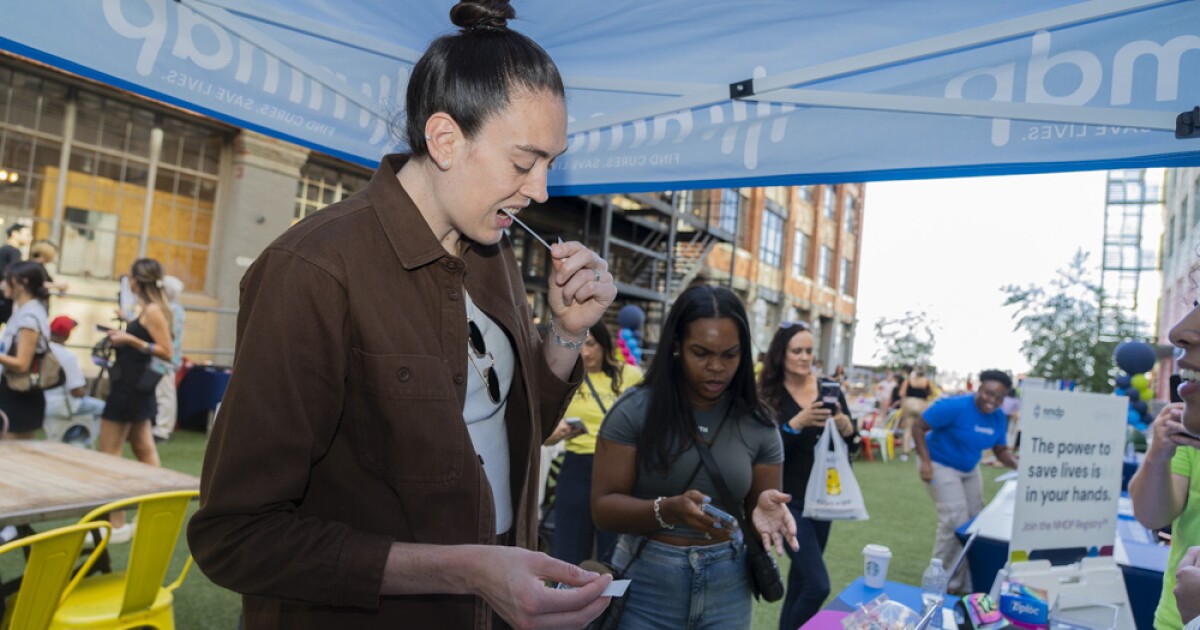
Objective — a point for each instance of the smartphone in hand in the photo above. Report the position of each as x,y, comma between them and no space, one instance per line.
725,518
830,394
104,329
577,425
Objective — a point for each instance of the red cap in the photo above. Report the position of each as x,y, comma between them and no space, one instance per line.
62,325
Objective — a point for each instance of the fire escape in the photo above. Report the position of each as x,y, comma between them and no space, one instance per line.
1130,250
656,243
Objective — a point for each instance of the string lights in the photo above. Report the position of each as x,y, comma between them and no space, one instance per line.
8,177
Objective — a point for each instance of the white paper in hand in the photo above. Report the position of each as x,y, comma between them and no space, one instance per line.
616,589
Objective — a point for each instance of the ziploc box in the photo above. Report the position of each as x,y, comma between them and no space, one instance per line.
980,612
1024,606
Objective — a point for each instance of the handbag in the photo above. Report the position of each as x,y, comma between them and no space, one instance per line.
148,380
610,619
45,371
765,580
833,493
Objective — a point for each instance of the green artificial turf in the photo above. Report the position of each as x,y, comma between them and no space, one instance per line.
901,513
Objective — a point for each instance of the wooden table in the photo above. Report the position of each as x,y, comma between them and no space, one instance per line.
42,481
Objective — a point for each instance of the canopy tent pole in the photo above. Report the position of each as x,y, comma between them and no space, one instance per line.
1037,112
970,38
312,27
291,58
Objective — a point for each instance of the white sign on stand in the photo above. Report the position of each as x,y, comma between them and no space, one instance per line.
1070,474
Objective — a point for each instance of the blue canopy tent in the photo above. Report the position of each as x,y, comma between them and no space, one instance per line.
679,94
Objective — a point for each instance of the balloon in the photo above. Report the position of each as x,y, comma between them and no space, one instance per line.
1134,357
1139,381
1141,407
626,334
632,316
1147,393
1134,395
1123,381
1133,417
1120,390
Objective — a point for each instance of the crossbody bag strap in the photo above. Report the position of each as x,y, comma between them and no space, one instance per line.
714,472
596,395
695,473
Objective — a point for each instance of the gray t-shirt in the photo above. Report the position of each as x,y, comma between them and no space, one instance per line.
740,444
32,316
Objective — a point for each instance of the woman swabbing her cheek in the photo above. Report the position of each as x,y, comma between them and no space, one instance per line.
650,485
395,444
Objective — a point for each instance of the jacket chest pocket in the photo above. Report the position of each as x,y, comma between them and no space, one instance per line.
406,422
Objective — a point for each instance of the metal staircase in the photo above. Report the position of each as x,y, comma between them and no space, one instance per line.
656,245
1130,250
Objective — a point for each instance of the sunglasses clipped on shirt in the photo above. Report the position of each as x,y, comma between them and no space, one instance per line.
479,350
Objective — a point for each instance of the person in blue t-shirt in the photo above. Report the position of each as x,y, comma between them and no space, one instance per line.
951,436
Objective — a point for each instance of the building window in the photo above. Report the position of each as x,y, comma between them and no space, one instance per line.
322,184
730,205
779,195
107,184
800,249
805,193
825,267
770,245
1196,203
851,222
829,202
1169,237
844,276
734,203
32,111
185,199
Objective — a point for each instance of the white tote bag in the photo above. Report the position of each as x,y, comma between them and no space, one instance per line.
833,493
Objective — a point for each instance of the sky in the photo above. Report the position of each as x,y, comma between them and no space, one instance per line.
947,246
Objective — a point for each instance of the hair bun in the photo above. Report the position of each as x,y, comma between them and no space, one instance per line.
492,15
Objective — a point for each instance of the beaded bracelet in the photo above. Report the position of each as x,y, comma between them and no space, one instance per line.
565,343
658,515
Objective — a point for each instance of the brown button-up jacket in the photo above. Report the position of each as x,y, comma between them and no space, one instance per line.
341,430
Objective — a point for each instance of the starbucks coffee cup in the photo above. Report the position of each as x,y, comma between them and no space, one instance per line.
875,565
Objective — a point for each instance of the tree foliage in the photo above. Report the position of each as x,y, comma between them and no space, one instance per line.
906,340
1062,327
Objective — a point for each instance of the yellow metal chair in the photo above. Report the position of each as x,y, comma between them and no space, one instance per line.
47,577
136,596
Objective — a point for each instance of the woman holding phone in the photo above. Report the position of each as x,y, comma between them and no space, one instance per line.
605,377
650,485
803,404
131,407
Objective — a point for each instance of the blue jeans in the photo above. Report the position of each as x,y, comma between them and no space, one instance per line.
807,580
574,533
678,588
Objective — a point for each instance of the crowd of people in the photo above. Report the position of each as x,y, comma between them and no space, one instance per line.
61,408
400,483
398,486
